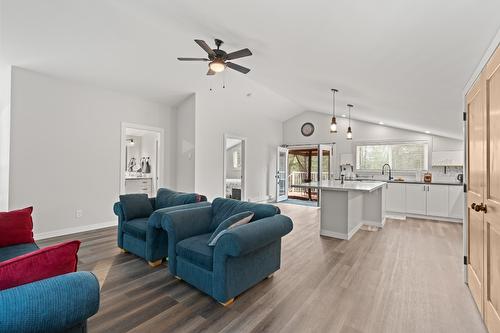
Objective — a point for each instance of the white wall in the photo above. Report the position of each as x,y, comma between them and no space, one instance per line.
5,73
362,131
65,149
230,111
185,151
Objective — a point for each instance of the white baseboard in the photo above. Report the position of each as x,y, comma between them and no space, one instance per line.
339,235
403,216
333,234
74,230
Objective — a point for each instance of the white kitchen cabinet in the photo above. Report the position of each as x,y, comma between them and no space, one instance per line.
456,202
416,199
437,200
395,198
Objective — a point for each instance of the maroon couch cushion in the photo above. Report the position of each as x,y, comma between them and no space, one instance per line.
16,227
38,265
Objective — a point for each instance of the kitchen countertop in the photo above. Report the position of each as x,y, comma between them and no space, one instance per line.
335,185
412,182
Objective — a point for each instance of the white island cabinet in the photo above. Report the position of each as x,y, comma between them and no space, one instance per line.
346,207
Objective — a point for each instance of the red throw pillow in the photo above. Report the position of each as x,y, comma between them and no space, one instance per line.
16,227
38,265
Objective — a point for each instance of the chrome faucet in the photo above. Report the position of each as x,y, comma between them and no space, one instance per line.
390,170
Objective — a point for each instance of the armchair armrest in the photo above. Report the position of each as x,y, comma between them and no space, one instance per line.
182,224
49,305
252,236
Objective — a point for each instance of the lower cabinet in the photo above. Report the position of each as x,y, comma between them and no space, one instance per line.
456,202
416,199
437,200
395,197
425,199
139,185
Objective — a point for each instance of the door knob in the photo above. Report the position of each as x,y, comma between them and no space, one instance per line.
479,208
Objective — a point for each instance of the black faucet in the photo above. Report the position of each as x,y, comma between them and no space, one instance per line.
390,170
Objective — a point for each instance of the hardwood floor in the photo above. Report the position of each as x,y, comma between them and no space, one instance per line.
404,278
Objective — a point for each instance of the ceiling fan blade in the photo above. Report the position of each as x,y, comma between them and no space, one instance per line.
210,72
192,59
205,47
239,54
238,68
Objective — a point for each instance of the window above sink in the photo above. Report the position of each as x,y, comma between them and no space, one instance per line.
401,156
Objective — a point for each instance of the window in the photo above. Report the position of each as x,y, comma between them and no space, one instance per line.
400,156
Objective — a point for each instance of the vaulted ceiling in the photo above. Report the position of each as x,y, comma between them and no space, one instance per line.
403,62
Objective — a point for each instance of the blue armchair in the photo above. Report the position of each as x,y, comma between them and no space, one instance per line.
139,222
242,257
59,304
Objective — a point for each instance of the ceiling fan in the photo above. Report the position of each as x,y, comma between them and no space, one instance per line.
218,59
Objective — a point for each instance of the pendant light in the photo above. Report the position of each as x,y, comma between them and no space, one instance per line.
333,125
349,130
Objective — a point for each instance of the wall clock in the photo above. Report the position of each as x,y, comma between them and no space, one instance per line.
307,129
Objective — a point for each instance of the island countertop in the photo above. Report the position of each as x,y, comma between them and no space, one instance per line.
335,185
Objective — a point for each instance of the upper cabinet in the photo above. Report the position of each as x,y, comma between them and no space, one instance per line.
448,158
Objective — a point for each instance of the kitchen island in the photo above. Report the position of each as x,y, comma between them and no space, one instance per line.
348,206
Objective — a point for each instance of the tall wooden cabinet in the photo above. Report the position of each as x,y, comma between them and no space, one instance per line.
483,195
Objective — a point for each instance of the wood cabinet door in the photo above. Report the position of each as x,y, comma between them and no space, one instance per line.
437,200
416,199
491,281
475,189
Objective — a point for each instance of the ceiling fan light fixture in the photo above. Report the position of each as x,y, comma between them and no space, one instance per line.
217,65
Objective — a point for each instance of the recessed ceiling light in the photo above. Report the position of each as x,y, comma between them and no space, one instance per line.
380,122
344,115
428,132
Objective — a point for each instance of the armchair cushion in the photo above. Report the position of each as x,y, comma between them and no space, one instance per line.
230,222
13,251
136,206
136,227
42,264
16,227
167,198
196,250
224,208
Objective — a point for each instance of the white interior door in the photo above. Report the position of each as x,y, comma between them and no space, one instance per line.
282,174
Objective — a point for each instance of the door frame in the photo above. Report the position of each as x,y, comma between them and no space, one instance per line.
243,164
160,158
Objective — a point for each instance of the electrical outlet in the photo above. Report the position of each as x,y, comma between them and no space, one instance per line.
78,213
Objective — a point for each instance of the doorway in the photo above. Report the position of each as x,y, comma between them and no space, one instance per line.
298,165
141,159
234,167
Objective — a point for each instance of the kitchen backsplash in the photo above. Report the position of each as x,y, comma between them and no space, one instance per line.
450,175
